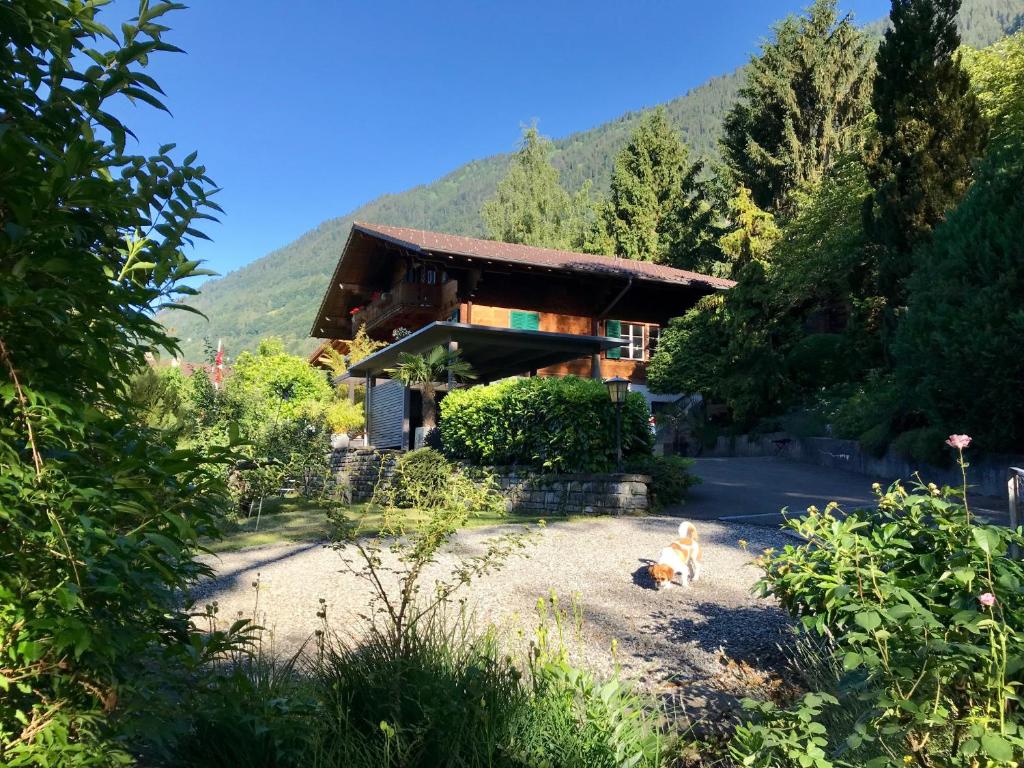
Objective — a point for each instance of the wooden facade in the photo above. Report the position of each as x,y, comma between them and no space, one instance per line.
392,280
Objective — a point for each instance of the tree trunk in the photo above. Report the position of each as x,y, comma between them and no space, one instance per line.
429,408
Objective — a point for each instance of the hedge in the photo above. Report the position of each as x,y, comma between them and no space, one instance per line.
558,425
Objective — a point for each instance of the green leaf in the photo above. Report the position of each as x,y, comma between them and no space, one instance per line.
852,661
868,620
997,747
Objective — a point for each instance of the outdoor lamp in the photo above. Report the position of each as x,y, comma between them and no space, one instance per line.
618,388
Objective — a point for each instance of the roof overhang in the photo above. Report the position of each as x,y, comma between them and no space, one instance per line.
494,353
368,260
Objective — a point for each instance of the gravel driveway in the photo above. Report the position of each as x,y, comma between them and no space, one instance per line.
671,642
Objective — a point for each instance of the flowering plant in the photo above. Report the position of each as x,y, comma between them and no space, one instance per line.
926,612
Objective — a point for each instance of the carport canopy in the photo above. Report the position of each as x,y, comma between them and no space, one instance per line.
494,353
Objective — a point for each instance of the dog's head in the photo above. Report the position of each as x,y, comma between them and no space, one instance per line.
661,574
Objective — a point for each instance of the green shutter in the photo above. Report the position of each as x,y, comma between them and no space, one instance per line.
613,330
524,321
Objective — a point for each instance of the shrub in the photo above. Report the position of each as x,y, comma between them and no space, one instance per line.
670,477
345,417
560,425
927,615
425,480
100,518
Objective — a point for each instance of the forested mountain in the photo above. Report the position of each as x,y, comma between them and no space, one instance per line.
279,293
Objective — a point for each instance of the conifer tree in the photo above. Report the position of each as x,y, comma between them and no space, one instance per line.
657,210
751,235
531,207
929,129
800,106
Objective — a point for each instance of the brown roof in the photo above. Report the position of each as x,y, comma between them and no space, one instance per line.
528,255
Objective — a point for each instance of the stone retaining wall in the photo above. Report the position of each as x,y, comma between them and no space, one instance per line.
604,494
358,470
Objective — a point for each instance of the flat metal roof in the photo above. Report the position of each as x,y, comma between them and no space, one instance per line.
494,353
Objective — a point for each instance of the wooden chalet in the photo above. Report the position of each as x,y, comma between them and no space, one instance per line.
511,309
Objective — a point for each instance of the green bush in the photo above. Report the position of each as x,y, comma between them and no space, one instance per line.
926,613
100,516
425,480
559,425
670,477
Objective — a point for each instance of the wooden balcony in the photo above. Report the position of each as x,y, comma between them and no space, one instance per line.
409,305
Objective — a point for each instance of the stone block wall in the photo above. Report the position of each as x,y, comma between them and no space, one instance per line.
358,470
600,494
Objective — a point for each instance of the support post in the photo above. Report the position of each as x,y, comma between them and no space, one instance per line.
1013,496
618,437
595,360
367,408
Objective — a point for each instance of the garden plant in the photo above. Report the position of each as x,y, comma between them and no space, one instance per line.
924,608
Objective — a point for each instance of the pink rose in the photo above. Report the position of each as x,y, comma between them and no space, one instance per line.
959,441
987,599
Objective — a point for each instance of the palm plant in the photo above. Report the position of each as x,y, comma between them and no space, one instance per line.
427,373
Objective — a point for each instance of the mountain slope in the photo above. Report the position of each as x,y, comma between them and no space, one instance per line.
279,293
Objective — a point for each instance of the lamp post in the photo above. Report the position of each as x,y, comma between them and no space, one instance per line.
618,388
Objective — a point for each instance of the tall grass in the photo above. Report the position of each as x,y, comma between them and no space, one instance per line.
447,696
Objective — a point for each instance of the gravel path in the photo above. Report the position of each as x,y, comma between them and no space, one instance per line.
672,642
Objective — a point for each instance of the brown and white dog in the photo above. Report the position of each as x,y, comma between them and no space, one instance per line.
682,556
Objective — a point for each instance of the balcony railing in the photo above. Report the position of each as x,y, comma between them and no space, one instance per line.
410,304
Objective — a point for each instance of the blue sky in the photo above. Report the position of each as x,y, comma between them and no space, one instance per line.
304,109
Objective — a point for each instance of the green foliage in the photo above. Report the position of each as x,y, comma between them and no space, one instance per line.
530,205
657,209
344,417
925,611
276,385
928,130
996,73
385,708
560,425
671,478
802,317
425,480
427,372
751,232
800,106
784,737
99,515
955,348
689,355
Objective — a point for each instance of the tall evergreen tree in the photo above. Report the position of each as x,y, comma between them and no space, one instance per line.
800,106
657,211
929,129
751,235
531,207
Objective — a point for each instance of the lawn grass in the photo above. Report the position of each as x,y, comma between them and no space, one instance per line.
292,519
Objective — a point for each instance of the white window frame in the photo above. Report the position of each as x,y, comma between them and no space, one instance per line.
632,348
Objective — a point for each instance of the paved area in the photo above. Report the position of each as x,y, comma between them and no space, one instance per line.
753,490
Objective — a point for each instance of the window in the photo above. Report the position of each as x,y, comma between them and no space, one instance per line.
523,321
632,341
638,340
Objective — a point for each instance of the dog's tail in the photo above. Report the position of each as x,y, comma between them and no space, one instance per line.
687,530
